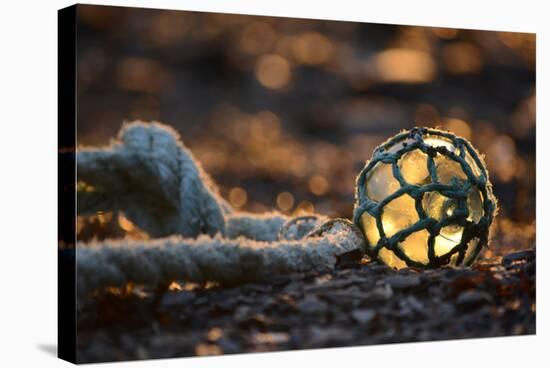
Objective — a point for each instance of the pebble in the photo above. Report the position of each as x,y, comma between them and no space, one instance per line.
363,316
380,293
229,346
176,299
320,336
473,298
242,313
312,305
415,304
323,286
344,295
403,282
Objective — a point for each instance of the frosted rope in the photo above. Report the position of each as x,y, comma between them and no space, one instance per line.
154,180
157,262
150,176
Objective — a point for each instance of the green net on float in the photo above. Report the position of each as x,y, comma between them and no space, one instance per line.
425,200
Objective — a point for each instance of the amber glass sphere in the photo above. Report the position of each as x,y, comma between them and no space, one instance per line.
425,200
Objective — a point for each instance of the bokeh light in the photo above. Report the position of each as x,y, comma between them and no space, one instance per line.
405,65
462,58
282,113
285,201
273,71
237,197
312,48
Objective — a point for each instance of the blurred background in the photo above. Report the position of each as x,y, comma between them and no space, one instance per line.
283,113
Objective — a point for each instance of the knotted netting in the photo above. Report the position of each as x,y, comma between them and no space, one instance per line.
425,200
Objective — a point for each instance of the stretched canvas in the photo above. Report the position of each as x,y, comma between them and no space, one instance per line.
233,184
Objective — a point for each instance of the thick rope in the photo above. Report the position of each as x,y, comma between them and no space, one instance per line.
228,261
150,176
154,180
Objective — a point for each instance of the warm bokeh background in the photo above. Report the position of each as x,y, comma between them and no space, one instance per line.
284,112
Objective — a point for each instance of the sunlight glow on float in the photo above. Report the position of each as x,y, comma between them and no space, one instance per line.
425,200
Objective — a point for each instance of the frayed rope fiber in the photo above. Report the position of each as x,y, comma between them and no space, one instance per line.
227,261
150,176
155,180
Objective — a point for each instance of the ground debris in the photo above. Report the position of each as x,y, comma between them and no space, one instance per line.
366,304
